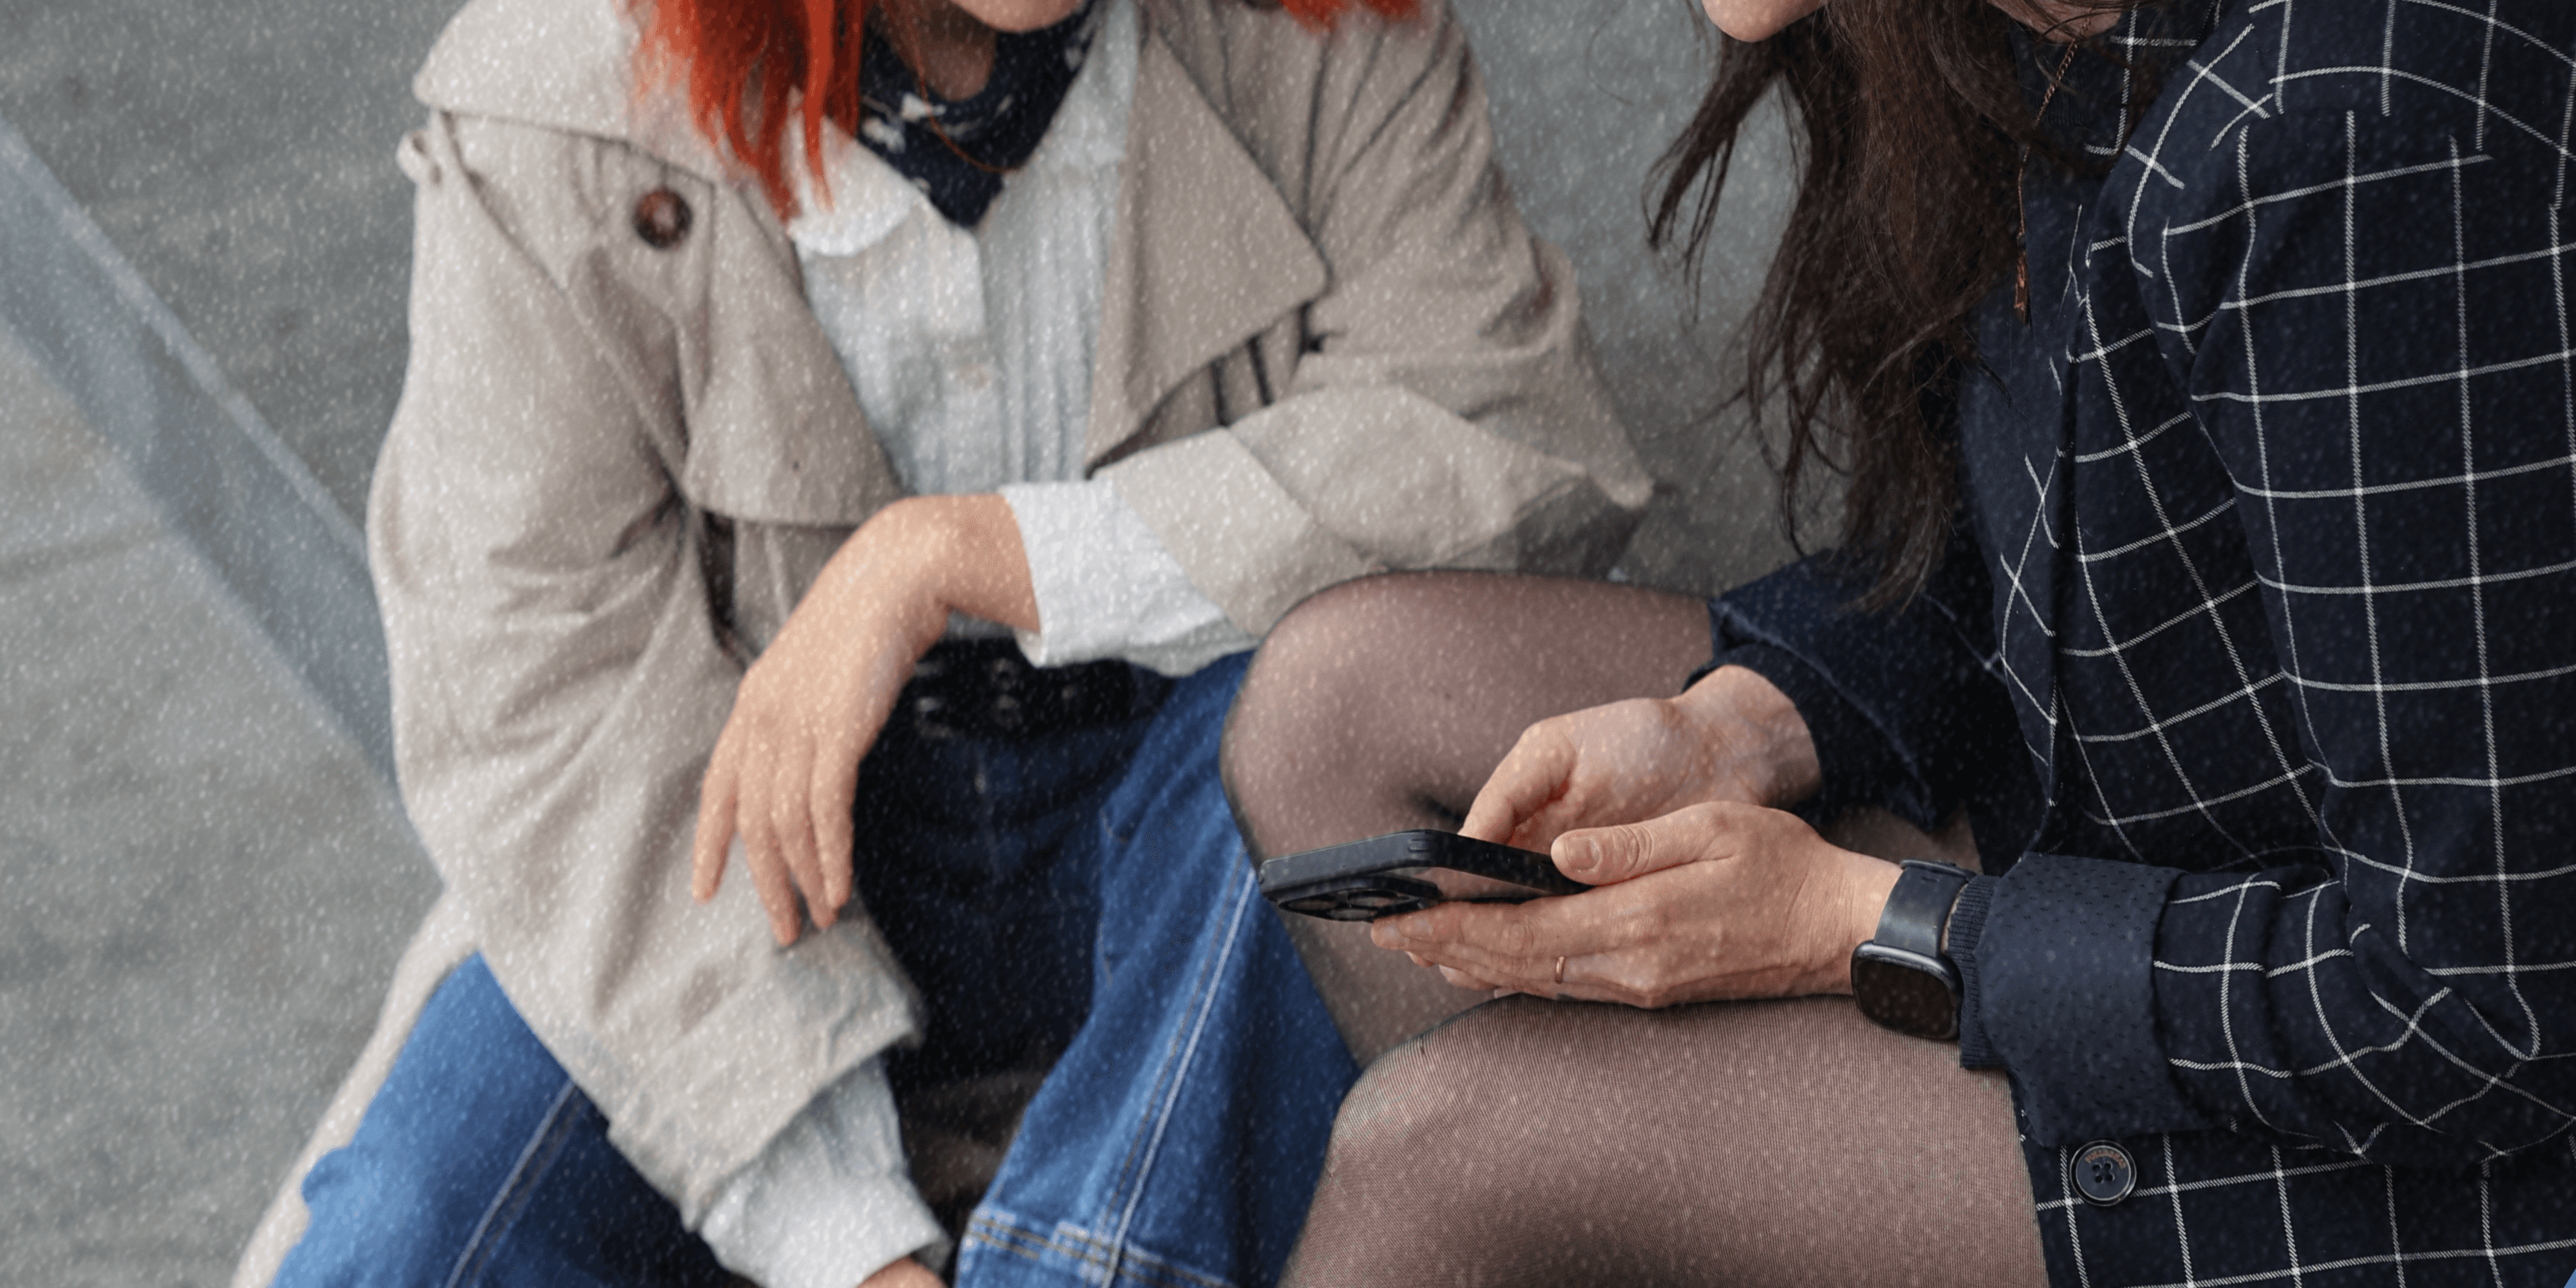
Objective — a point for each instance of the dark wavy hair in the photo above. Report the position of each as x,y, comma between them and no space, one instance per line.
1909,128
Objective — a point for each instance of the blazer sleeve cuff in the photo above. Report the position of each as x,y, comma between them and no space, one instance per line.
1853,759
1922,709
2060,990
1967,929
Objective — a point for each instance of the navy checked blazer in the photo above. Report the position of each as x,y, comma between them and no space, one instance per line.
2254,659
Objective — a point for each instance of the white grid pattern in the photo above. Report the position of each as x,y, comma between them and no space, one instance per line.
2293,606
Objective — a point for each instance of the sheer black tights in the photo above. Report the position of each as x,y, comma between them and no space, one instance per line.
1755,1144
1382,704
1531,1142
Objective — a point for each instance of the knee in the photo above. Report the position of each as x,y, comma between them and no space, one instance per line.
377,1216
1297,698
470,1094
1425,1176
1325,650
1333,681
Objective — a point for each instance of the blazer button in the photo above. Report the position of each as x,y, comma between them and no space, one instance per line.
2104,1175
661,218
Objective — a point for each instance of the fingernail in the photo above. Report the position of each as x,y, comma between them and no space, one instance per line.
1584,856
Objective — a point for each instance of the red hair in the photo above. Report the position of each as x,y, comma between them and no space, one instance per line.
739,61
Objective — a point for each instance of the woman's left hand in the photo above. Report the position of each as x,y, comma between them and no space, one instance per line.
1718,901
786,767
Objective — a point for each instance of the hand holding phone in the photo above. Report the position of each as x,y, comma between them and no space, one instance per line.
1402,872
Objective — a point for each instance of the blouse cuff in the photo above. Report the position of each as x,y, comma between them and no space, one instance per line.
2061,980
829,1202
1106,587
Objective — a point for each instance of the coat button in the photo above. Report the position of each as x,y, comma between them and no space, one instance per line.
661,218
2103,1173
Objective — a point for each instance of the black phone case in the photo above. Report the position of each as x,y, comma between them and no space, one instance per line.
1404,872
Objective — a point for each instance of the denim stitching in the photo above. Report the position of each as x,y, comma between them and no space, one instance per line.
516,1190
1003,1234
1132,1164
1206,1000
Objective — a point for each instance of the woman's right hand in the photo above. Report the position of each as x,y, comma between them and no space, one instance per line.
1732,737
786,767
902,1273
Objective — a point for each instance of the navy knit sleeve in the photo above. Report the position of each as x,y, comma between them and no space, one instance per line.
1903,707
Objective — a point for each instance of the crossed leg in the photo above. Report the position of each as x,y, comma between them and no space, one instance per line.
1750,1144
1536,1142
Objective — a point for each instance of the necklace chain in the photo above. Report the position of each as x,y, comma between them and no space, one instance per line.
2021,194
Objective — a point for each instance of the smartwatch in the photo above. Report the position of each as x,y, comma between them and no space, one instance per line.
1900,978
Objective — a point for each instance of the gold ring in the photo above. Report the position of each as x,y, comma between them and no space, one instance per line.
1560,970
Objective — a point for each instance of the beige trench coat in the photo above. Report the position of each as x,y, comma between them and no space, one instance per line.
1328,347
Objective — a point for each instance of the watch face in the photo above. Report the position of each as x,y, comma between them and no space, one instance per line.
1904,997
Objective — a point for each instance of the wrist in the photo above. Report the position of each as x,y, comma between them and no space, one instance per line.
953,553
1773,754
1869,882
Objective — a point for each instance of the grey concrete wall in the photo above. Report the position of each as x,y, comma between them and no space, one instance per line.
203,883
1586,95
240,153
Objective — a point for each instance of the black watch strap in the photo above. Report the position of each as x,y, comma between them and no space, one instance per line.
1918,909
1900,978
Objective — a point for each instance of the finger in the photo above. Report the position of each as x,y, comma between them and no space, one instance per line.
793,819
1544,985
760,854
715,820
843,749
834,787
1518,944
1626,851
1584,977
1608,960
1421,961
1460,934
1530,777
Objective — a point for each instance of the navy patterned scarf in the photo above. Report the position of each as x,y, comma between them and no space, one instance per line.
957,152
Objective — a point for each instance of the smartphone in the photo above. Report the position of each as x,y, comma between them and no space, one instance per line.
1404,872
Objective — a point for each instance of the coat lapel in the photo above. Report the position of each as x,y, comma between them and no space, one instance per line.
1207,253
2022,492
2019,469
775,434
